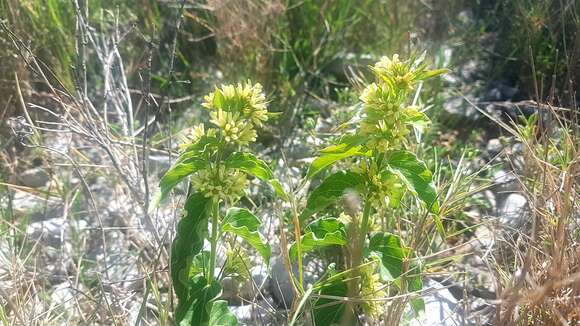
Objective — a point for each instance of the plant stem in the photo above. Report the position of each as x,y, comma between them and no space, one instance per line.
365,222
298,235
213,239
354,285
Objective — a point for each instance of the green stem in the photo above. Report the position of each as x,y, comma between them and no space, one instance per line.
365,222
213,240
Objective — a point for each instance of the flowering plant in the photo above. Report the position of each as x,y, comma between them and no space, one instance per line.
217,164
381,173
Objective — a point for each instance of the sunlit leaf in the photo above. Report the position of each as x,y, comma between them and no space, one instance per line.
330,190
388,247
254,166
188,241
178,172
220,315
244,224
321,233
418,179
393,255
332,154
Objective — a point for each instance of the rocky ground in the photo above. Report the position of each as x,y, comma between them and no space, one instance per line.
82,245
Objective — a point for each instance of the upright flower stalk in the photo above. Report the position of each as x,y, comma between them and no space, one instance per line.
382,172
217,162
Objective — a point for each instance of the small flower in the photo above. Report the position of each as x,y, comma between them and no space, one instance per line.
220,183
234,128
371,289
398,74
197,132
237,110
386,188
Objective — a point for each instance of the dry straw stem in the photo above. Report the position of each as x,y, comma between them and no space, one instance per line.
76,115
541,283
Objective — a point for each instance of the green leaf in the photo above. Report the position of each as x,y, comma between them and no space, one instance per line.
334,153
323,232
244,224
178,172
199,263
220,315
188,241
254,166
195,309
329,311
346,142
392,254
418,179
396,190
432,73
415,118
388,247
330,190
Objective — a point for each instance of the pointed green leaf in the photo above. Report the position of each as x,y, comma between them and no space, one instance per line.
432,73
346,142
220,315
329,311
350,145
330,190
415,174
195,309
178,172
323,232
392,254
254,166
415,117
188,241
388,247
244,224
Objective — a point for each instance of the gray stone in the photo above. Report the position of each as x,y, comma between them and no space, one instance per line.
53,230
441,307
457,109
34,178
494,147
512,211
504,183
254,314
259,283
280,284
62,297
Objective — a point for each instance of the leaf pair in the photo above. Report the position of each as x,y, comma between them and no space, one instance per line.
196,296
202,306
193,161
321,233
412,171
394,256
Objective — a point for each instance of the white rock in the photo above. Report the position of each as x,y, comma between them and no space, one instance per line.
53,230
513,209
252,314
441,308
494,147
62,297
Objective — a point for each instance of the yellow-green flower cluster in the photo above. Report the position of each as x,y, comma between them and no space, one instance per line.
220,183
400,75
372,289
237,110
385,122
386,189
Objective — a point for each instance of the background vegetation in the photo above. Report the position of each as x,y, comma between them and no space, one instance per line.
95,97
